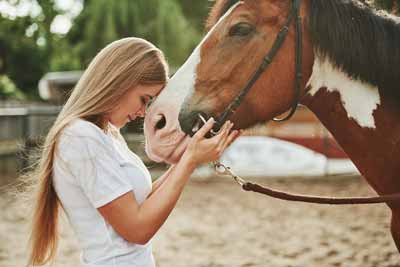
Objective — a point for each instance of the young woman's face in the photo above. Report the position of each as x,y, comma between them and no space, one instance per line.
133,104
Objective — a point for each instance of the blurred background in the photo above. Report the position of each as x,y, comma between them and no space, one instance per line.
44,47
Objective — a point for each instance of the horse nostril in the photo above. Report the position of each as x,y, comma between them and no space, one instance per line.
161,123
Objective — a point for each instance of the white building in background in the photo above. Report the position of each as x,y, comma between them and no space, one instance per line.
55,86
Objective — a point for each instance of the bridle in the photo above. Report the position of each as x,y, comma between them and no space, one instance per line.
294,14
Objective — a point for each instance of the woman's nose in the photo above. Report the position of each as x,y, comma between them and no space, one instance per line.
141,112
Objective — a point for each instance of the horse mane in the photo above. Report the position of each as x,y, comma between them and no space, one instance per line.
220,7
359,40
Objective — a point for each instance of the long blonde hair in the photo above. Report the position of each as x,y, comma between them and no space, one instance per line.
118,67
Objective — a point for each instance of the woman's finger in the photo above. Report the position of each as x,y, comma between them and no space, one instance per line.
217,138
232,136
226,133
222,129
224,137
205,128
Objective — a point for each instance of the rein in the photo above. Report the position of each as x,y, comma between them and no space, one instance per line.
248,186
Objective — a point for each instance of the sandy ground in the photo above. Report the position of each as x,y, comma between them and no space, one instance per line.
215,224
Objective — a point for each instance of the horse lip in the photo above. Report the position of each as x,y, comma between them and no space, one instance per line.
177,153
173,146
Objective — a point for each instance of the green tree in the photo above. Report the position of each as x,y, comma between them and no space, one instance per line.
22,60
8,90
390,5
27,45
159,21
196,11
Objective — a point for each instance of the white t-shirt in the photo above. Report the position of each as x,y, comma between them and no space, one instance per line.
92,168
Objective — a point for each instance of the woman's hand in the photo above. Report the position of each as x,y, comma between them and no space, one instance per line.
202,150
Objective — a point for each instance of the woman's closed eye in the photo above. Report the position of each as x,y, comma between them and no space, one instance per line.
147,100
143,100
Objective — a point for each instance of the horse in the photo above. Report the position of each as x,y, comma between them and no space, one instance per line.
339,58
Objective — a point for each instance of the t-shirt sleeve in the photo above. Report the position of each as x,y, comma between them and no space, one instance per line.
95,168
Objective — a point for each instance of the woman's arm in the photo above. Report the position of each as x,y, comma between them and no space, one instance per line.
157,183
138,224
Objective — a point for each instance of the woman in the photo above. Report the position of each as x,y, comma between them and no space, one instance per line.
87,168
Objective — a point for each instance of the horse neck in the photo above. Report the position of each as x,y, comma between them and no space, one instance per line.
363,119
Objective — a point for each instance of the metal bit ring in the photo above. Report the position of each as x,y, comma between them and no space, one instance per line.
221,169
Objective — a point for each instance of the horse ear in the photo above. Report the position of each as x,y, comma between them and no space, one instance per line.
218,10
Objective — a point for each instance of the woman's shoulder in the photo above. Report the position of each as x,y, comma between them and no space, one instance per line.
82,127
81,133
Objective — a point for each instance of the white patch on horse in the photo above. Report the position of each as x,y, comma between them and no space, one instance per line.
359,98
181,85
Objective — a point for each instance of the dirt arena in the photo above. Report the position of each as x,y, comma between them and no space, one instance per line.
215,224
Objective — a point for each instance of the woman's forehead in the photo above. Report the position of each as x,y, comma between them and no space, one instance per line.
151,89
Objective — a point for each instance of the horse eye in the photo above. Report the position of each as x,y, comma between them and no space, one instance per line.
241,29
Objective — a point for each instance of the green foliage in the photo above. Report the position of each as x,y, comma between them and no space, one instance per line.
159,21
64,56
26,57
392,6
8,90
23,61
26,46
28,49
196,11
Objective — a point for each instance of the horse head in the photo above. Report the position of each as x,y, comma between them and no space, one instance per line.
240,34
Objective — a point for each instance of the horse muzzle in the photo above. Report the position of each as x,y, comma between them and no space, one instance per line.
193,121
